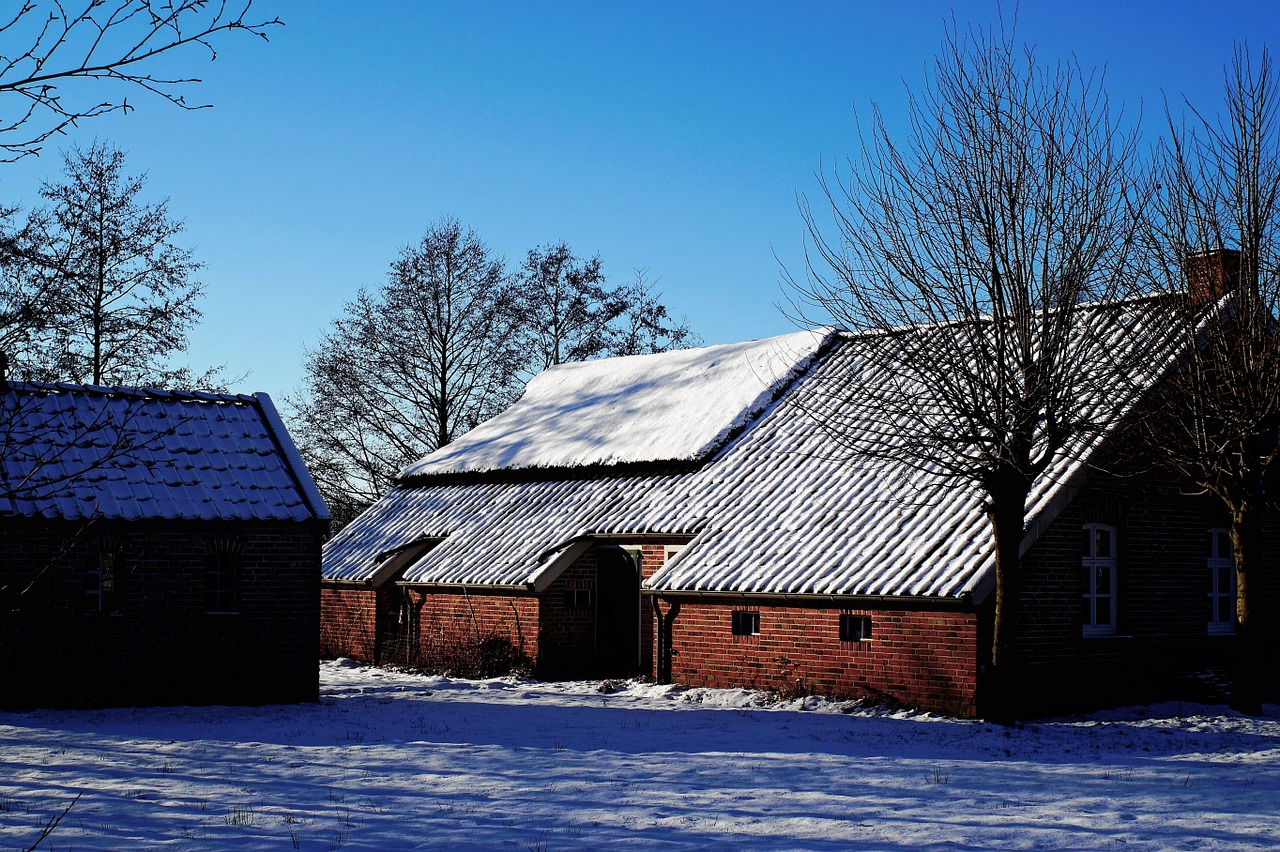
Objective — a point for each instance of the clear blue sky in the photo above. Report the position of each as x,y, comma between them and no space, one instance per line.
666,136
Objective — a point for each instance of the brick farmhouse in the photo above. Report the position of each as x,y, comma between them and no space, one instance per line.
689,516
155,548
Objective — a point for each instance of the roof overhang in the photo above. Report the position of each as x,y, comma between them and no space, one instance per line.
963,602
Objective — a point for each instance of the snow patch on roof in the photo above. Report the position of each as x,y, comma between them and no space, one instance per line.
676,406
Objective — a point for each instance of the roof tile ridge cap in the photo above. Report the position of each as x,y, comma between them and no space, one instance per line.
553,473
1095,306
131,392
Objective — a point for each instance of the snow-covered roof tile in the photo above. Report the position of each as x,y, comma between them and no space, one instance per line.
676,406
779,509
74,451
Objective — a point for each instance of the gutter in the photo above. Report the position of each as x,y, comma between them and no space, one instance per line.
522,590
963,601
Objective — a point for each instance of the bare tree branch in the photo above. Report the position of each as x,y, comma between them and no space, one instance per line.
47,49
1213,240
961,253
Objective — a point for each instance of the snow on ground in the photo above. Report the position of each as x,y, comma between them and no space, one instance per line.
391,760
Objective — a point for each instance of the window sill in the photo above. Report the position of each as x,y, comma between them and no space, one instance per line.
1097,635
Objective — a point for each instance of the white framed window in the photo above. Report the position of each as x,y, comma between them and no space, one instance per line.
1098,561
1222,583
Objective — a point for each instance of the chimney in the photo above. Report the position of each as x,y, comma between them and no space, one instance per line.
1211,274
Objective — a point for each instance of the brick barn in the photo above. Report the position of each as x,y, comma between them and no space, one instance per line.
686,517
157,548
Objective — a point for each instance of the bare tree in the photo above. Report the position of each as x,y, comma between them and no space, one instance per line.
566,307
446,343
963,252
570,313
48,50
24,287
409,367
1215,240
117,294
645,325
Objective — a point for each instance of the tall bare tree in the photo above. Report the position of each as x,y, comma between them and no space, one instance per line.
448,342
408,367
570,313
646,326
49,50
964,249
118,294
1215,240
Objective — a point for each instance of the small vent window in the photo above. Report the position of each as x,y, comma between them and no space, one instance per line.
855,628
746,622
577,599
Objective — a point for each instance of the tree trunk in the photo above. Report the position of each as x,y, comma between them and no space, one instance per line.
1246,679
1007,513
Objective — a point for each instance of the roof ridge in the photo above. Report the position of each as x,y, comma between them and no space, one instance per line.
125,391
1093,307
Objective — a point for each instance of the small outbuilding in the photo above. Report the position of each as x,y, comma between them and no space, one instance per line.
155,548
691,516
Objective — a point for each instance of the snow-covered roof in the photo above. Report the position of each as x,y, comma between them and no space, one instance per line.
780,509
676,406
78,452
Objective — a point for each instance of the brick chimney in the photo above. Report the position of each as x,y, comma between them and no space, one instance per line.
1211,274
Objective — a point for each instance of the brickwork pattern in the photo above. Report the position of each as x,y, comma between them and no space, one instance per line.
158,643
348,623
916,658
1161,642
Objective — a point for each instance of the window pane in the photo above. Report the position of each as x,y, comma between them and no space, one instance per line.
1103,610
1225,607
1103,547
1087,548
1102,580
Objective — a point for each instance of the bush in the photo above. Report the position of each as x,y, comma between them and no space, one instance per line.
469,657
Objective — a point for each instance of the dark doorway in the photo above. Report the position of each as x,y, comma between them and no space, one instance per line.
617,652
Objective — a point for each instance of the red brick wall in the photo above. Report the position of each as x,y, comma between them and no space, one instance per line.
921,659
160,644
566,637
559,641
348,622
447,619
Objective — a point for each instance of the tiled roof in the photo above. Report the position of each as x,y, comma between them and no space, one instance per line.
79,452
779,510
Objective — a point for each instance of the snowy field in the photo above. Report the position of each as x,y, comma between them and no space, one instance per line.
397,761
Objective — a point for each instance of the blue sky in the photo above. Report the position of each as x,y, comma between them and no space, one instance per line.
666,136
